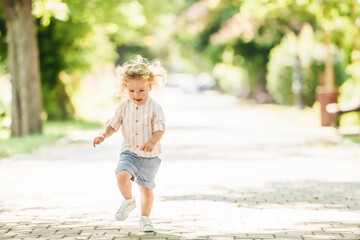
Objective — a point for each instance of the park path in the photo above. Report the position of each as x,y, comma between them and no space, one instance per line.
229,171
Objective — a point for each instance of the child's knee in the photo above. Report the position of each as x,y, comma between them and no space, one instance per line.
145,190
123,176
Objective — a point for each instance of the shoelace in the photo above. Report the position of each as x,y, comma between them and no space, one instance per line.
123,209
147,223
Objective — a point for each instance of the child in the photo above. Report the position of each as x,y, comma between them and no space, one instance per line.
143,126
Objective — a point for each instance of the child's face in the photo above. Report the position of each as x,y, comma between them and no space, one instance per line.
138,91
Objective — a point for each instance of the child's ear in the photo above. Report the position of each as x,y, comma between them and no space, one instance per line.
150,86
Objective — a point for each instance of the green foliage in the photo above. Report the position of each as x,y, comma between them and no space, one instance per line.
56,43
269,21
276,18
241,65
127,52
253,58
350,91
353,138
232,79
262,26
336,17
76,36
193,34
280,73
282,65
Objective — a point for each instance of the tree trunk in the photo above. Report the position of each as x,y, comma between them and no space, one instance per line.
24,68
329,81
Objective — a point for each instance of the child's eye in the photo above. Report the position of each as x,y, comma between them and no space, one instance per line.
142,90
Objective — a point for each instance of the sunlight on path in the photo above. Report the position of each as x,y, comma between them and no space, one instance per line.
229,171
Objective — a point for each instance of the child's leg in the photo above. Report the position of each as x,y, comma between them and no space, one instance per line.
147,200
124,183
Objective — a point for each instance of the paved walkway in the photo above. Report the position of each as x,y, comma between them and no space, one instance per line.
229,171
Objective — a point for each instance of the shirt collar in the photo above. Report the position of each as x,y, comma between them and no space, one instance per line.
142,105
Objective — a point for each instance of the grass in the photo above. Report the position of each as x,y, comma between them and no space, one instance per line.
353,138
352,121
52,131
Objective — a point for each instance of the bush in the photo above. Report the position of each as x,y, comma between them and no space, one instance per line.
232,79
280,71
311,56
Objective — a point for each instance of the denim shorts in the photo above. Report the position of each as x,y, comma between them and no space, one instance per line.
143,170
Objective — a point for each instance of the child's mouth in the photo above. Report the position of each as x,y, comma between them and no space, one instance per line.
138,100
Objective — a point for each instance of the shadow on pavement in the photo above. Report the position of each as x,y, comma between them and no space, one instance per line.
303,194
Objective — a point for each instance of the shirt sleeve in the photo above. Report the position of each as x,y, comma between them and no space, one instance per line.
116,121
158,119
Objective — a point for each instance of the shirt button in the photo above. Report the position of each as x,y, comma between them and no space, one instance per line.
136,134
137,108
136,121
137,146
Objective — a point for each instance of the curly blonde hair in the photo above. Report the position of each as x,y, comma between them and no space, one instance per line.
141,69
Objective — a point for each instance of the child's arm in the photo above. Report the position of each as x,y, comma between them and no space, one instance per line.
149,146
107,133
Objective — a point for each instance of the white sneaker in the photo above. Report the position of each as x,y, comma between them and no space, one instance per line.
146,224
126,207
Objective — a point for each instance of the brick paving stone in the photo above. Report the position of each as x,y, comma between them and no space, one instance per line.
4,237
222,238
325,237
262,236
350,236
243,236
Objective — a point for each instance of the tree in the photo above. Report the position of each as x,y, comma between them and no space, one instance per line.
24,68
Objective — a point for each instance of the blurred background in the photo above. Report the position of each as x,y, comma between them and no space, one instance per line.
288,53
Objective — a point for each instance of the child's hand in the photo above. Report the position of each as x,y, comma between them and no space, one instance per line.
147,147
98,139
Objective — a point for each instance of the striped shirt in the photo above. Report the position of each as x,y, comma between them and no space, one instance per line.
138,122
